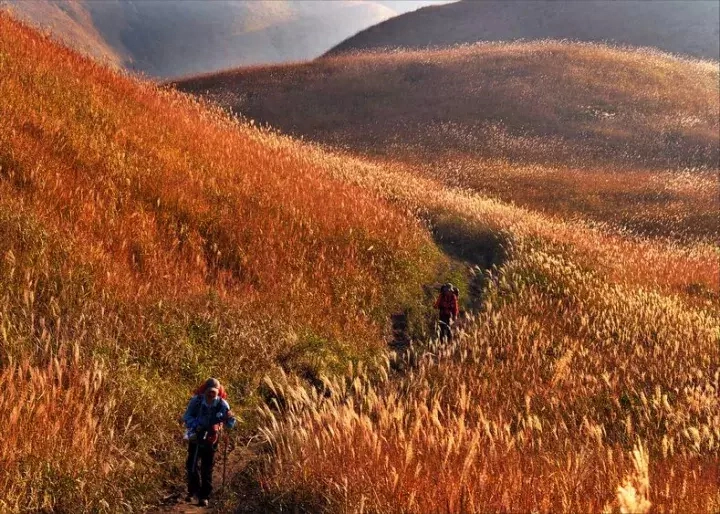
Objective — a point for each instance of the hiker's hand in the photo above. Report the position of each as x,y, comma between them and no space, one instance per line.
230,423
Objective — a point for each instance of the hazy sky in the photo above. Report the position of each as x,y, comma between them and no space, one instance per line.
166,38
410,5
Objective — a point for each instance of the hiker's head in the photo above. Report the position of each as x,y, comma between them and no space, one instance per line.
212,382
212,389
210,394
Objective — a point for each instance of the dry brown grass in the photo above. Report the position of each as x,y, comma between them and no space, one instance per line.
689,270
566,394
167,242
588,382
69,440
143,233
606,134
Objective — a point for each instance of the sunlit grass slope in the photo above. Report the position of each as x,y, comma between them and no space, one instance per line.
147,242
588,381
616,135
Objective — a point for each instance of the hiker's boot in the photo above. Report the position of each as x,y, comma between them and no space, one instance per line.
189,498
203,502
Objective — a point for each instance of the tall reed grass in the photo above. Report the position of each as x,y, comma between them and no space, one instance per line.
614,135
160,241
566,394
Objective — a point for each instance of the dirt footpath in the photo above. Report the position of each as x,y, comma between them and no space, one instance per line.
239,459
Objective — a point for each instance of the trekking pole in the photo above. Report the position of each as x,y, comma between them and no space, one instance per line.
225,446
197,447
191,471
194,461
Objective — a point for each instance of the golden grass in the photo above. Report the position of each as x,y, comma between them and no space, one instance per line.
688,269
567,394
146,234
70,439
583,130
588,382
677,205
167,242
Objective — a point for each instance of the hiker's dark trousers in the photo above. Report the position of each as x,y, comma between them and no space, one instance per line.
199,469
445,330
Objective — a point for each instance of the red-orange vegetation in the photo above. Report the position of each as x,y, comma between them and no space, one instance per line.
148,241
588,381
613,135
168,242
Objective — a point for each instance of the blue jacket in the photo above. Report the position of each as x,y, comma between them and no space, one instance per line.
201,416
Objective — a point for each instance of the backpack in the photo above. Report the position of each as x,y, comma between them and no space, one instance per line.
447,301
449,288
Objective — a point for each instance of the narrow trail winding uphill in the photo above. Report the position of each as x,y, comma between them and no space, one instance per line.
124,277
146,241
240,491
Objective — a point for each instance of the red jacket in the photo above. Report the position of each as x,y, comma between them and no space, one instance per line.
448,304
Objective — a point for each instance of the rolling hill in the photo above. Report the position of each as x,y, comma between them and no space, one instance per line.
569,128
675,26
149,240
172,38
146,242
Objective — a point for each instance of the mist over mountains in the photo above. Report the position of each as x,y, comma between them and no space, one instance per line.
675,26
171,38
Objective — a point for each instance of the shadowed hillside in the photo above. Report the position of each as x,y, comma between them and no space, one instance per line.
677,26
171,38
575,129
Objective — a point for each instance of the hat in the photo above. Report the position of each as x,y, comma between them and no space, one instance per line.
212,384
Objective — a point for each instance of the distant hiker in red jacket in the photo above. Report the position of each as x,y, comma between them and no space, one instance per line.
204,418
447,304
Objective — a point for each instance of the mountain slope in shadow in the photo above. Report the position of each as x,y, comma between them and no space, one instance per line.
682,27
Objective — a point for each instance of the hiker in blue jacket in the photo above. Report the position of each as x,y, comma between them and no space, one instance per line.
204,418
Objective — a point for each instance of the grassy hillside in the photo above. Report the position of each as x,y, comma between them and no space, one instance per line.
587,382
172,38
147,242
609,134
588,379
670,25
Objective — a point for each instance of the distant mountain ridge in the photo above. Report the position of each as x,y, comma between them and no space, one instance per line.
172,38
681,27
